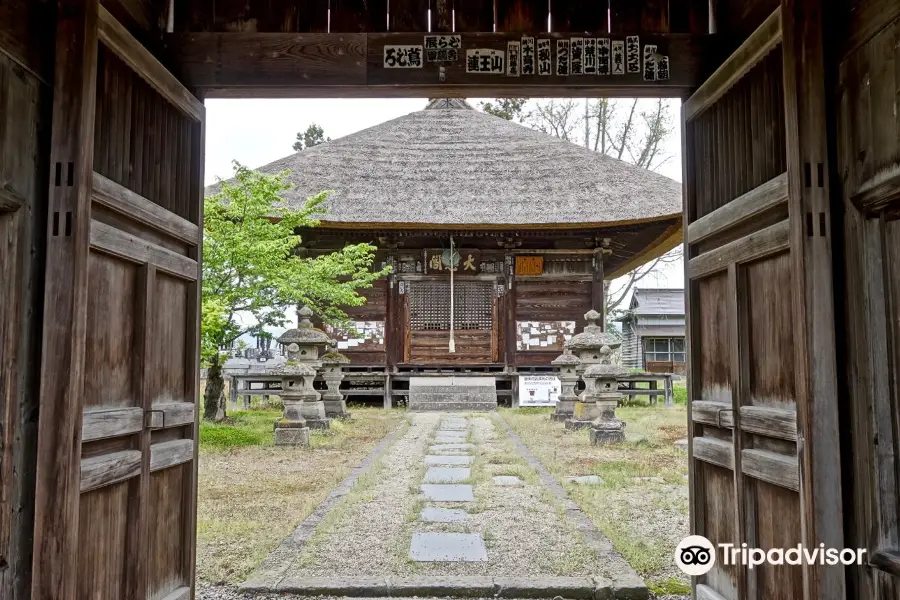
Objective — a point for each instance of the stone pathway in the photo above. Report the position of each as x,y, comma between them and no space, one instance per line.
453,503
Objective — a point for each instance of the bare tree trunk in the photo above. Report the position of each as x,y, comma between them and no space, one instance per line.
214,395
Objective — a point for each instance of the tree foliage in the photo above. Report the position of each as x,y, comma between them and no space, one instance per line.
313,136
253,274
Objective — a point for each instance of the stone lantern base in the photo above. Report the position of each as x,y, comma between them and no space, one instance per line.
607,433
314,414
564,410
291,433
335,408
583,415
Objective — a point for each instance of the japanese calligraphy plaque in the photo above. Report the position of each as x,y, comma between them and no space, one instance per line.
529,265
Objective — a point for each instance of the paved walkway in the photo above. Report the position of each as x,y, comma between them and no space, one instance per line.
455,505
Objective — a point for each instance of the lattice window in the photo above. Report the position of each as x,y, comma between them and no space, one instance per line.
429,304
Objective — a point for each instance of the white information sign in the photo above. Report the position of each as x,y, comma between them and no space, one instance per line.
538,390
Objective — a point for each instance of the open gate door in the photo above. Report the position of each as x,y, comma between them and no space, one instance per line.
116,489
765,463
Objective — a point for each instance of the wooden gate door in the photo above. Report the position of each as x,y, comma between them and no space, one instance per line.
428,323
116,488
764,447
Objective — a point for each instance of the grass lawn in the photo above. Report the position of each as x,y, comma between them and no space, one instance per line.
252,494
642,505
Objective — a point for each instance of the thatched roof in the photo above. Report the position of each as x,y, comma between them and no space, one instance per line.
451,165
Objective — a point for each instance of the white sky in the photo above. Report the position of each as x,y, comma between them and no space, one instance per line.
257,132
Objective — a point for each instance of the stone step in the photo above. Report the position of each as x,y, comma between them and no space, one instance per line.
437,393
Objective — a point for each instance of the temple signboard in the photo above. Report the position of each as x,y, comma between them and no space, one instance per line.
463,261
451,56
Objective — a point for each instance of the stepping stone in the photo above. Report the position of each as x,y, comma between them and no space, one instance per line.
447,493
434,514
449,439
448,547
586,480
450,448
682,444
459,424
508,480
447,474
432,460
453,433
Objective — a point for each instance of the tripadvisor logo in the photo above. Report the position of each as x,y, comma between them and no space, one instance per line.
696,555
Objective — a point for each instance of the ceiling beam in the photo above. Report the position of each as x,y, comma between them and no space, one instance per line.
351,65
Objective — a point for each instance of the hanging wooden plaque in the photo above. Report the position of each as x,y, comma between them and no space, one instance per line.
529,265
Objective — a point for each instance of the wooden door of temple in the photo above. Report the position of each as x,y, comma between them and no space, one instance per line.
116,468
428,316
765,463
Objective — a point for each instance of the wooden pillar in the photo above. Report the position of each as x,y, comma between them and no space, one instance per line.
808,172
509,319
65,300
598,294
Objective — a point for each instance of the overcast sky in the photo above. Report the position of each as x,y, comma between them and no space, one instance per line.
257,132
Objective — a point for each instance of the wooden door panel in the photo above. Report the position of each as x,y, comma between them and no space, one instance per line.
749,299
136,502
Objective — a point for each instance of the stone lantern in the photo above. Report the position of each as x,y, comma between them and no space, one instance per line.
602,388
566,365
592,346
335,406
586,345
296,389
304,346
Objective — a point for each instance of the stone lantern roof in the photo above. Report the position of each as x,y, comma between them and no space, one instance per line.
565,359
605,371
335,358
305,333
292,368
593,337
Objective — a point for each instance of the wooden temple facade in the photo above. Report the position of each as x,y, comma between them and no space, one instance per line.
535,225
790,203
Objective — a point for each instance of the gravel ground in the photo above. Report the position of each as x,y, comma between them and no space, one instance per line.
361,535
208,592
525,531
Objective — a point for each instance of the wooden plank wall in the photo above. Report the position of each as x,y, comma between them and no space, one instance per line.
743,328
24,141
554,299
355,16
116,467
139,346
868,140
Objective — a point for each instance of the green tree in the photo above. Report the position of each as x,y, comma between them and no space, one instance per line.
252,273
313,136
511,109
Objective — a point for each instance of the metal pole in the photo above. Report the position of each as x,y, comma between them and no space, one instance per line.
452,315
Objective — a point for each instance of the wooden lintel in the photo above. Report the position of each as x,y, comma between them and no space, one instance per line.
740,210
876,194
136,56
714,451
103,423
754,49
887,561
350,65
10,201
124,201
771,240
116,242
782,470
107,469
168,454
171,414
